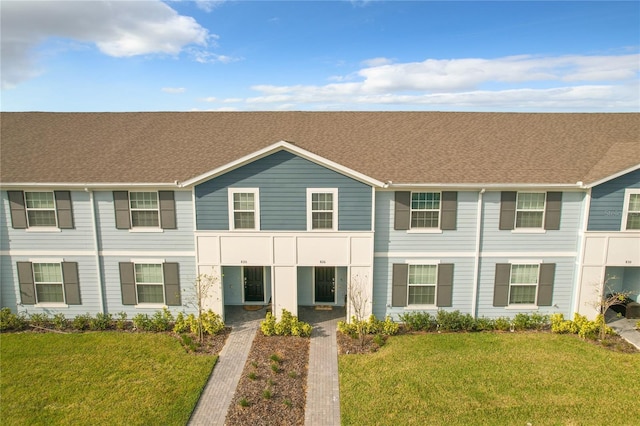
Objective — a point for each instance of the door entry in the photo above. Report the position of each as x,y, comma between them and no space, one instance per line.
253,284
325,285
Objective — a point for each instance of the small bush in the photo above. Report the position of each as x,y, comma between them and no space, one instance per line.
252,376
212,323
638,325
142,322
485,324
243,402
121,321
275,368
378,340
266,394
39,320
580,325
293,374
81,322
181,325
502,324
59,321
275,358
11,321
287,402
161,320
419,321
100,322
455,321
288,325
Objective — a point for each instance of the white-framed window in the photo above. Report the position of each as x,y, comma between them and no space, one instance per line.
322,209
145,210
631,213
425,210
49,283
523,284
149,279
530,208
244,208
422,284
41,209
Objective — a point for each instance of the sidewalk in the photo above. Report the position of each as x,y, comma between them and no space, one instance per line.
625,328
213,405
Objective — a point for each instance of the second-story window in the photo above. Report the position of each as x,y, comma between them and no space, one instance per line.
144,209
530,209
632,208
244,209
41,208
425,210
322,208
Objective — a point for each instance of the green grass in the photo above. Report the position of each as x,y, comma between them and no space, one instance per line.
98,378
490,379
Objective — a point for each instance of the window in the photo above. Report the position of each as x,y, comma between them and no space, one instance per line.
530,209
422,284
144,209
322,207
149,283
48,280
41,208
632,210
523,284
244,208
425,209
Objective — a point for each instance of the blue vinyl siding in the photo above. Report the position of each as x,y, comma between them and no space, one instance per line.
9,293
79,238
389,240
607,202
180,239
564,239
111,279
382,282
283,179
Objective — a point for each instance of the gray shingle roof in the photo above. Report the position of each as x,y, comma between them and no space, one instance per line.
404,147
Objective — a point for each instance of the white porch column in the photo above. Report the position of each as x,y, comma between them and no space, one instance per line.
285,290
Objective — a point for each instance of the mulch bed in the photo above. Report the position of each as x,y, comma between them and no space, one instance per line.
268,397
350,345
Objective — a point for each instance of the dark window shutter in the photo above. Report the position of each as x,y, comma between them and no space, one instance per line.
172,284
121,205
127,283
25,279
18,211
71,283
553,209
501,288
545,285
167,210
508,209
445,285
64,209
402,217
449,210
400,281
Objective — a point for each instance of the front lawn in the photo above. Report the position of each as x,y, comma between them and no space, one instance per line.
491,379
99,378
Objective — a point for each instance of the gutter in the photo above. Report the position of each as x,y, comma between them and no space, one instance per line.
96,246
88,186
485,186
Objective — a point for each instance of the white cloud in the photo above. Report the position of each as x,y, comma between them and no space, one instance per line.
117,28
209,99
376,62
509,83
174,90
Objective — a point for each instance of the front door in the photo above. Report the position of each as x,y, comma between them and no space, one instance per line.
325,285
253,284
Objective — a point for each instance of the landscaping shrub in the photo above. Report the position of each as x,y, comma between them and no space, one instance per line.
454,321
288,325
11,321
39,320
142,322
81,322
59,321
502,324
100,322
121,321
580,325
161,320
419,321
485,324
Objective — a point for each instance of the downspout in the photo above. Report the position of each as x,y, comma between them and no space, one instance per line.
476,266
582,241
96,247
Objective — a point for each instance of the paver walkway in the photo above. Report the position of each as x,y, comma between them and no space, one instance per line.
626,328
323,394
323,391
213,405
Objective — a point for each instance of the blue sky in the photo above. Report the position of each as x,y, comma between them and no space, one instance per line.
329,55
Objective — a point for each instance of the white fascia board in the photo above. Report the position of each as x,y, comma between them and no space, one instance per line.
89,186
613,176
280,146
488,186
